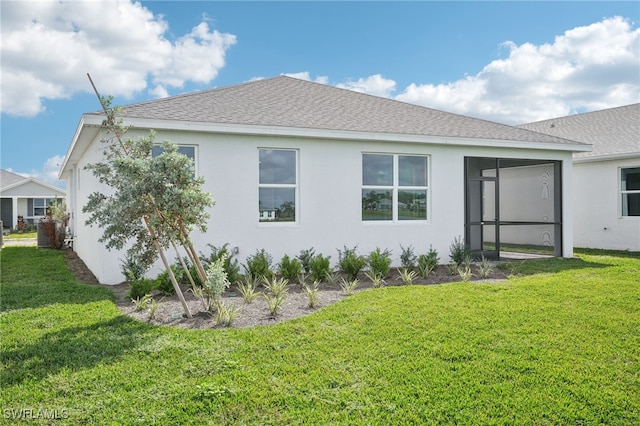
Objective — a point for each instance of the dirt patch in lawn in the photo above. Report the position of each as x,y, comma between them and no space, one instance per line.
169,310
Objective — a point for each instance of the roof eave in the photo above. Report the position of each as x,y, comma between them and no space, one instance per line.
36,181
79,140
246,129
608,157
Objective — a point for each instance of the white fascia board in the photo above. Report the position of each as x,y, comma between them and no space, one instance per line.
242,129
80,140
611,157
60,191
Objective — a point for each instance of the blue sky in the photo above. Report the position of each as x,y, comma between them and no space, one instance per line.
511,62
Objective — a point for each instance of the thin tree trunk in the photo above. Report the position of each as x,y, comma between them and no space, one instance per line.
168,267
196,259
184,266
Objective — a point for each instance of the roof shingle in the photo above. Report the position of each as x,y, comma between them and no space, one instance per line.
614,131
289,102
8,178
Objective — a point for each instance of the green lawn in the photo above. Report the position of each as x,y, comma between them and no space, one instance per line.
559,344
21,236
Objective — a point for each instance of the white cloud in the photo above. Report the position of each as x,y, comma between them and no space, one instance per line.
50,46
585,69
372,85
48,173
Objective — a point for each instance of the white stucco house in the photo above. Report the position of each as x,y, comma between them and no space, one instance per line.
606,180
25,198
293,164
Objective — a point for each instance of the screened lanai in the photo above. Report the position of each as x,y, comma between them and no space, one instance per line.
513,206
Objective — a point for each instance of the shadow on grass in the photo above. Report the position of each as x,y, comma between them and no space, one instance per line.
73,348
550,265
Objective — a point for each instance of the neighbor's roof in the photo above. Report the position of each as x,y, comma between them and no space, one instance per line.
293,103
9,180
612,132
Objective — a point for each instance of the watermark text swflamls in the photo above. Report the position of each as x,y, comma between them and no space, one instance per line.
35,413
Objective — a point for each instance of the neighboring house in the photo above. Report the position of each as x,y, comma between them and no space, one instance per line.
25,198
606,181
293,164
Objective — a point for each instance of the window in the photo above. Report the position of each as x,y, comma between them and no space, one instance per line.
394,187
40,206
189,151
630,191
277,185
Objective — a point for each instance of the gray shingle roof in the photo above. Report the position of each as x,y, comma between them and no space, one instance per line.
8,178
614,131
289,102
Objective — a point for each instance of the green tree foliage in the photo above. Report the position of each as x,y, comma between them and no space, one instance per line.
150,200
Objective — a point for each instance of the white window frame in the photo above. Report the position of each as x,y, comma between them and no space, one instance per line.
293,186
395,188
623,192
47,203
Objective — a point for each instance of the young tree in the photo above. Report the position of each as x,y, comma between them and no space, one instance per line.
153,202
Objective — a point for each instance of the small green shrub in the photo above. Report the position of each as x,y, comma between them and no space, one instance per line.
140,288
467,259
290,268
406,276
320,268
305,257
274,303
230,264
350,262
163,283
217,281
247,289
349,287
225,314
485,267
379,262
142,303
131,268
258,266
427,263
458,251
408,258
465,273
376,280
276,294
277,286
453,268
153,307
311,290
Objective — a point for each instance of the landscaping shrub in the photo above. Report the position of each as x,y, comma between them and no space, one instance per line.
230,264
459,251
304,257
276,294
379,262
163,283
258,266
350,262
408,258
428,262
131,268
311,290
217,280
320,268
140,288
290,268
